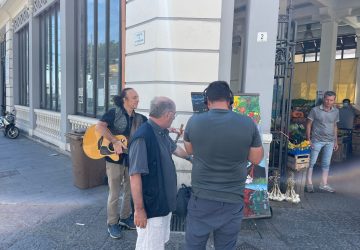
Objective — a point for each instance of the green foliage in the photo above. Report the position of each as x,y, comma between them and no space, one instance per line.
259,181
302,103
297,133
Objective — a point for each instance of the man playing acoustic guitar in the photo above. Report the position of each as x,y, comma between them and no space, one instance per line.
121,120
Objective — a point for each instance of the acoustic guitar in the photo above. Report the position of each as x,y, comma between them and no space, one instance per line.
97,146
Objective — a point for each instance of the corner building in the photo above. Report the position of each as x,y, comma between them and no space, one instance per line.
61,61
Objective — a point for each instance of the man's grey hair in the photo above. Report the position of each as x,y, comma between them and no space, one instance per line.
161,105
329,93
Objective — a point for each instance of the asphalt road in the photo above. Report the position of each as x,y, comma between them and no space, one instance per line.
40,208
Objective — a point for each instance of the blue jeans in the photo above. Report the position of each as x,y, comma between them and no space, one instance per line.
327,150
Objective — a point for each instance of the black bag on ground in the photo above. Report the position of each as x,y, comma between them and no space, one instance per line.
182,200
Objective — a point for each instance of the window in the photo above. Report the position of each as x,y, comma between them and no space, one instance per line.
99,55
338,54
345,48
50,71
299,58
310,57
349,53
23,65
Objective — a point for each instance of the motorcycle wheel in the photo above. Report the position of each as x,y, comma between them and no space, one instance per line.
12,132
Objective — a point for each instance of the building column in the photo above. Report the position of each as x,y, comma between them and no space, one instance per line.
9,81
68,73
226,38
327,57
34,68
259,67
260,55
357,85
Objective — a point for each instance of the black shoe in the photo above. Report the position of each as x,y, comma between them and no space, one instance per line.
128,222
114,231
309,188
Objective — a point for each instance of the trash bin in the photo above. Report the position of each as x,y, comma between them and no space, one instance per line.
87,172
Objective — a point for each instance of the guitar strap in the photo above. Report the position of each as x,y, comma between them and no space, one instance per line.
137,121
120,122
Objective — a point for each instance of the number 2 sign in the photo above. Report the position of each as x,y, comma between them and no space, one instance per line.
262,37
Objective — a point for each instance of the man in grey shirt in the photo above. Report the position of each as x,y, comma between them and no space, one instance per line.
321,131
222,143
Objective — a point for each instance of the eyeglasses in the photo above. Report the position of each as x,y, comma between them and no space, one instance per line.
174,114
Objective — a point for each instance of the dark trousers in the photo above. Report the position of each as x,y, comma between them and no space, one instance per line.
348,142
206,216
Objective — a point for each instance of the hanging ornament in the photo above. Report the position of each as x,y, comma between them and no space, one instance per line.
275,193
290,194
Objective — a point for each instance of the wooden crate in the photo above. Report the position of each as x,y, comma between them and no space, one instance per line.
298,162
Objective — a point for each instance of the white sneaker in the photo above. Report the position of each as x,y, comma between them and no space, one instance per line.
327,188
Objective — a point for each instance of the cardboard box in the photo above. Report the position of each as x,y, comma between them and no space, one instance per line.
298,162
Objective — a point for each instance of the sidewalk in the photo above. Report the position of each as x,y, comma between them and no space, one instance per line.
40,208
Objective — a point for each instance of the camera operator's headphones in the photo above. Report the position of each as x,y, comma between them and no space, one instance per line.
231,95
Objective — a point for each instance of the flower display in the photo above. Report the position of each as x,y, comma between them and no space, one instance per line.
303,147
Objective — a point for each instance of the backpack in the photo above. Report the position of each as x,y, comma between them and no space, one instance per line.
182,200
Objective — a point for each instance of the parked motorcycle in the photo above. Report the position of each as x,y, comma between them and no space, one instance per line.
7,122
